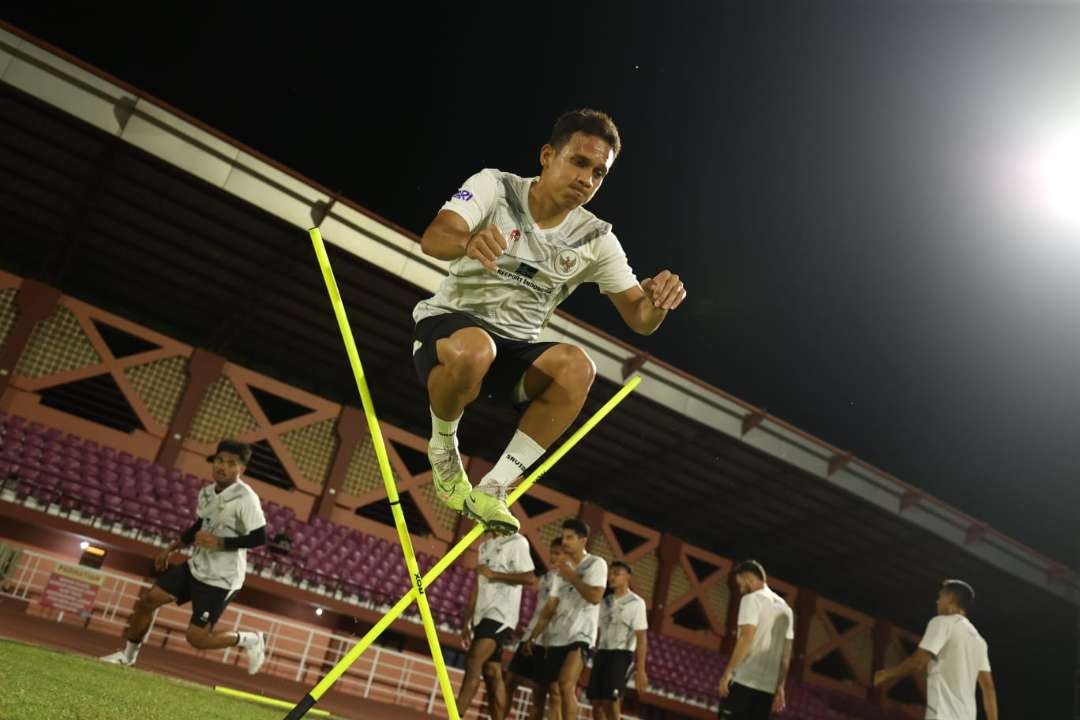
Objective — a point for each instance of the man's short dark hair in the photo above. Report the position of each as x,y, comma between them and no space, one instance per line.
230,445
579,527
962,593
620,564
588,121
555,543
750,566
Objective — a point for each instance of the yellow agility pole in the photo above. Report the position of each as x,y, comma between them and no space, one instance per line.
387,474
262,700
309,700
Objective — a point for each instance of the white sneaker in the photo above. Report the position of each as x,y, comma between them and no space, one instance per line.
257,654
118,658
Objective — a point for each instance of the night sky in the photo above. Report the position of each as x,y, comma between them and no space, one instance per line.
841,185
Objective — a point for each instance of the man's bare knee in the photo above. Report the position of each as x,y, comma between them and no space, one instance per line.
154,598
492,672
198,637
467,354
570,366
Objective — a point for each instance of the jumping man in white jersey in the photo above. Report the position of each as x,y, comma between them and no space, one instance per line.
955,658
492,616
519,247
752,686
229,521
622,644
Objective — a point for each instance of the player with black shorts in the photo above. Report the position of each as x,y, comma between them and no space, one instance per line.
752,686
527,668
570,617
229,521
504,566
518,247
622,645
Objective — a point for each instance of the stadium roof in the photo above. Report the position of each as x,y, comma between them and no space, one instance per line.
127,203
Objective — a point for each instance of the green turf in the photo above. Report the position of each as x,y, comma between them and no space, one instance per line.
38,683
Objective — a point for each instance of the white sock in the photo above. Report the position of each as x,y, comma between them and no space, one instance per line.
444,432
516,459
132,650
248,639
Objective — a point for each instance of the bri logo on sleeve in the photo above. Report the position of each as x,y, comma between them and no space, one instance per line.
462,194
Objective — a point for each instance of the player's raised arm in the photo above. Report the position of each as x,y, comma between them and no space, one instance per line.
448,238
645,306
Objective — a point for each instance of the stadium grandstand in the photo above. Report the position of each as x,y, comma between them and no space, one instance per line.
158,292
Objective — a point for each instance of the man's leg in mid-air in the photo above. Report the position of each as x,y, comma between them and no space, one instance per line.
555,387
138,624
460,362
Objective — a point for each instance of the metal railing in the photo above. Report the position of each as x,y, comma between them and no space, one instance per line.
295,651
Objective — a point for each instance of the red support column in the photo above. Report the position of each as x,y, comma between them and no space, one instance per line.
731,631
593,515
805,608
35,302
883,630
668,554
203,369
351,431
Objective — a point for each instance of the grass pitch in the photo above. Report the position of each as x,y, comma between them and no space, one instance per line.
41,684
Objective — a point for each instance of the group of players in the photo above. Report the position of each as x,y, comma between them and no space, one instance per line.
517,248
585,608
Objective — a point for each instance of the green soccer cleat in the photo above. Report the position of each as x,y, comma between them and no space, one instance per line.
491,512
448,476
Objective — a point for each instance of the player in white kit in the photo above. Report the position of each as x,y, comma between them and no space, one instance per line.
955,658
527,667
752,686
229,521
571,617
622,644
504,566
518,247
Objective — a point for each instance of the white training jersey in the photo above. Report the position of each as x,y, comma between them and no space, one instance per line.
234,512
543,592
960,654
497,600
774,624
576,619
620,621
539,269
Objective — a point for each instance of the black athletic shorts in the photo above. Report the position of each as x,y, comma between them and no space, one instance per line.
494,630
554,658
207,601
610,673
744,703
512,357
530,667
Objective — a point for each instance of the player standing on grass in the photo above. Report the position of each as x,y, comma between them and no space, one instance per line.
505,565
622,645
229,520
955,658
571,617
519,247
752,686
527,666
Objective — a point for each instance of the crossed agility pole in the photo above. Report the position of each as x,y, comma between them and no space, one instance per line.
416,593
